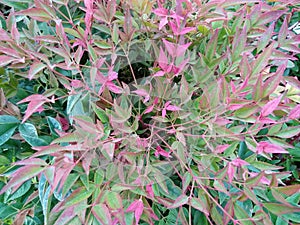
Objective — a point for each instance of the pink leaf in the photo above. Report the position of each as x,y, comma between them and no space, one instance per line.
230,172
137,207
186,30
21,175
173,108
159,74
149,109
143,93
5,60
112,75
114,88
35,103
221,148
163,113
163,22
3,35
161,12
161,151
149,190
77,84
163,60
35,68
239,162
266,147
270,107
294,113
171,47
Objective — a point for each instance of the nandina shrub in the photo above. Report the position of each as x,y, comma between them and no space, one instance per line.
149,112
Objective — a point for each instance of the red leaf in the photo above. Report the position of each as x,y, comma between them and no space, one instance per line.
268,108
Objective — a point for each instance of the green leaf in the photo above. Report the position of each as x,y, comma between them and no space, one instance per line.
262,60
7,211
102,44
280,209
288,132
29,133
180,201
265,166
35,68
37,13
8,125
102,115
21,175
20,191
199,205
16,4
79,195
113,200
241,215
53,125
246,111
102,213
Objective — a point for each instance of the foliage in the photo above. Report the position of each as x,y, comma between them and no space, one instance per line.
149,112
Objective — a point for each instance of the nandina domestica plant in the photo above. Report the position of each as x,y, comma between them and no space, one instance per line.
149,112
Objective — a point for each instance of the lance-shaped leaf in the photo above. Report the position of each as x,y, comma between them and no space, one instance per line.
29,133
21,175
262,60
282,34
212,46
239,42
8,125
265,38
266,147
137,207
77,196
272,83
278,209
269,17
35,68
36,13
4,36
5,60
268,108
288,132
102,214
257,93
294,113
180,201
35,104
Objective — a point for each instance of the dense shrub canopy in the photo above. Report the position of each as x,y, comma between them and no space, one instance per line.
149,112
